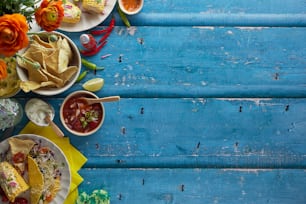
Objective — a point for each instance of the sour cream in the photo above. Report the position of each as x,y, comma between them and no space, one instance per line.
37,110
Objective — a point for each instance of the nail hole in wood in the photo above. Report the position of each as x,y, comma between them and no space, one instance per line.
142,110
119,161
141,41
119,196
123,130
97,146
276,76
182,187
236,144
198,145
240,109
120,58
143,181
287,108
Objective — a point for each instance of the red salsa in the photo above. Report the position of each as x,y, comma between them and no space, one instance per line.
131,5
81,117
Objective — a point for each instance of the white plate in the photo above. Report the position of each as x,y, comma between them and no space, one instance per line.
89,21
59,156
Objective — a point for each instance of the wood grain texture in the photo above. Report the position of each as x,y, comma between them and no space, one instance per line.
212,105
198,186
197,133
204,62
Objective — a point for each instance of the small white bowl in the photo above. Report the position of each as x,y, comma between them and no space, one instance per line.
64,120
76,61
133,11
37,109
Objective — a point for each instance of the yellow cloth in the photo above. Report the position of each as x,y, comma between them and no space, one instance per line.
75,158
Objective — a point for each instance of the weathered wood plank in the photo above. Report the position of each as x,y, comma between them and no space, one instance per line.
225,6
221,13
190,133
203,62
198,186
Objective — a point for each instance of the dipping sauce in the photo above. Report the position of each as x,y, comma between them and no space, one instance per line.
37,110
81,117
131,5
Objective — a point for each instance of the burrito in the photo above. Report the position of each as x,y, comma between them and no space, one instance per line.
11,181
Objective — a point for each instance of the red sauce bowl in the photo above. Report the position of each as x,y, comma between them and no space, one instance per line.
80,118
131,7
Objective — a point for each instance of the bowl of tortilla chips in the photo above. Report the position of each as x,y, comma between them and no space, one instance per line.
49,65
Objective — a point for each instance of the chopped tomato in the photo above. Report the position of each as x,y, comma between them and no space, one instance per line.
49,198
18,157
44,150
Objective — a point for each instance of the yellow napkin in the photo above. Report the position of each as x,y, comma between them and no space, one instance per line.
75,158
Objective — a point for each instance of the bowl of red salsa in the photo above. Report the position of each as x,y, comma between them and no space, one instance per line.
78,117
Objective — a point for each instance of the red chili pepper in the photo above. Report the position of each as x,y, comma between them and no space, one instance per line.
104,37
106,30
99,32
102,41
93,52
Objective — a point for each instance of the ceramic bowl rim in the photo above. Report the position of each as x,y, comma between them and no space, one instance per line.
62,118
131,12
55,91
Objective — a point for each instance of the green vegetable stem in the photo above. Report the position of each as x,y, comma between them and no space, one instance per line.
90,65
82,76
123,17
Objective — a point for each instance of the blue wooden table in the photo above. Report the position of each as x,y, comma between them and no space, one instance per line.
212,109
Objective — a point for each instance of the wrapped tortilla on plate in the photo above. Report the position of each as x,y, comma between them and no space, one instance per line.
11,181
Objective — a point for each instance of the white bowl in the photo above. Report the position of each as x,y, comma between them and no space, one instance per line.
76,61
63,120
130,12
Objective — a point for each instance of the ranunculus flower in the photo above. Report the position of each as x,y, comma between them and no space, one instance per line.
13,34
50,14
3,71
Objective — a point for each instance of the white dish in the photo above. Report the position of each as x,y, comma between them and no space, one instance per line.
133,12
60,157
89,21
37,109
22,74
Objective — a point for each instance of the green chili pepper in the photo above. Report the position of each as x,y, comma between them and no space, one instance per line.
123,17
82,76
91,65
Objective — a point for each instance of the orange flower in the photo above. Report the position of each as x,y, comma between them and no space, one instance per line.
50,14
3,71
13,34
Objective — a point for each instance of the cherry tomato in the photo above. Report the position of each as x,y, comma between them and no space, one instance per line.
18,157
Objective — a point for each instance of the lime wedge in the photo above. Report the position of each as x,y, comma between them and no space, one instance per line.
94,84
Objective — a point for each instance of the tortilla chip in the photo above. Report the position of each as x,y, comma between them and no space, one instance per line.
28,86
21,147
36,180
70,71
55,188
41,42
57,81
64,45
33,73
